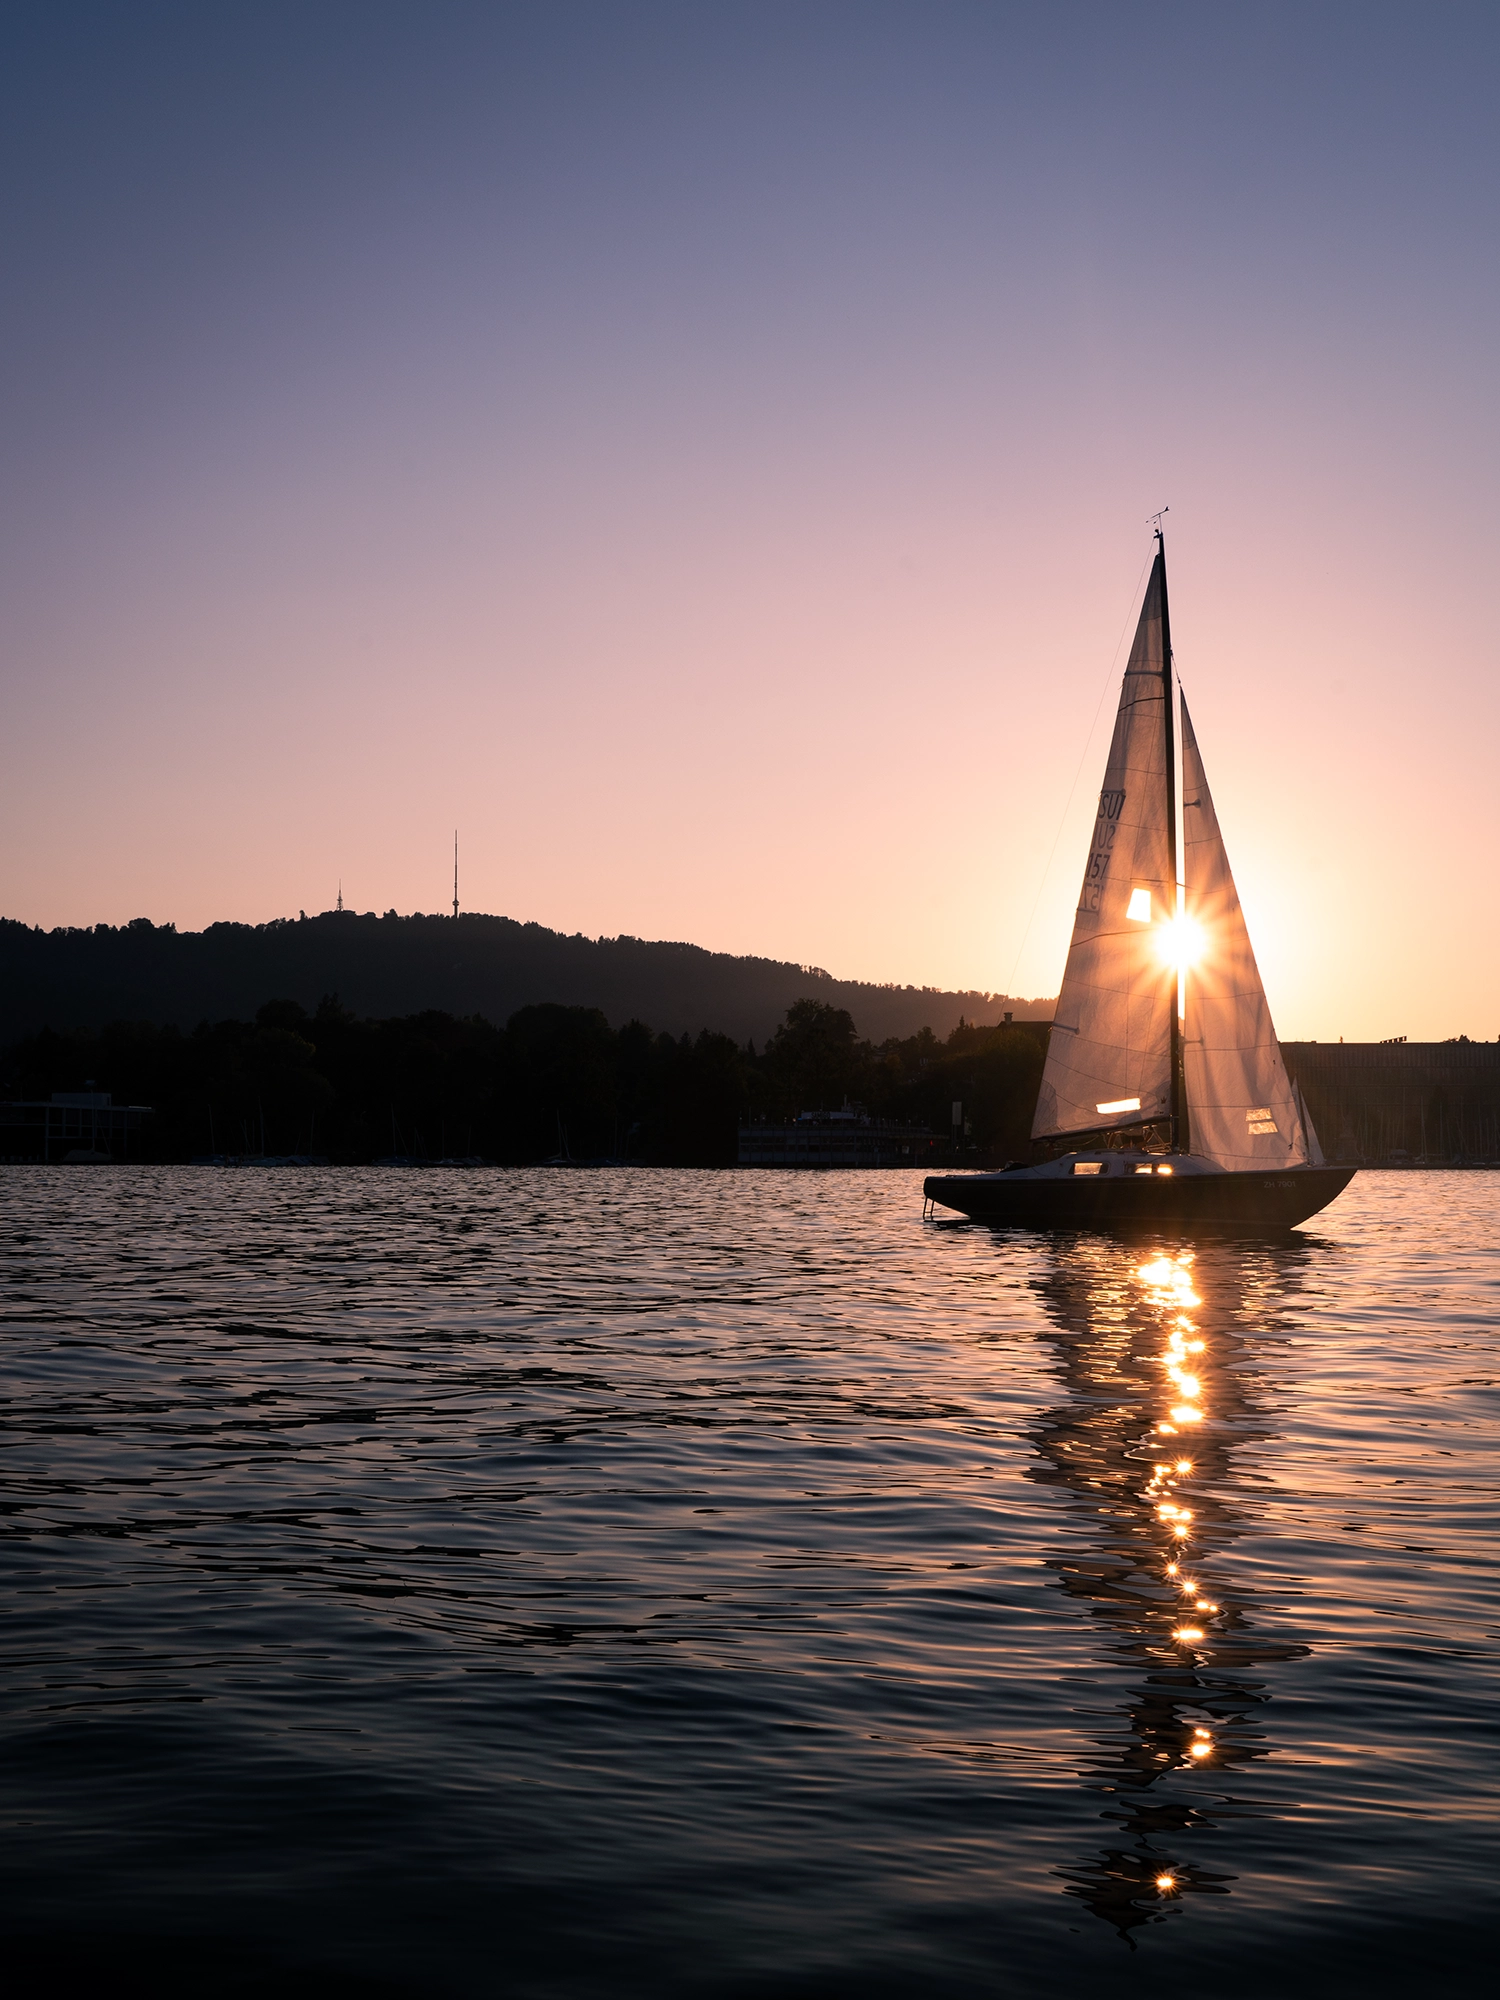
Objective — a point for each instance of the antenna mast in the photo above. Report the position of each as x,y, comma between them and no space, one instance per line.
455,874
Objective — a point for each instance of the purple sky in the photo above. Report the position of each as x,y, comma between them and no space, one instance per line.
705,454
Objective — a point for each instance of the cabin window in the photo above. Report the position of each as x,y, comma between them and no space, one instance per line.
1142,1170
1139,911
1088,1166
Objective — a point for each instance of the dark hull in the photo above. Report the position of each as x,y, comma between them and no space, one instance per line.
1235,1204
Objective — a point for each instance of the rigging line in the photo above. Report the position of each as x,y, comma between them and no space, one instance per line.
1067,803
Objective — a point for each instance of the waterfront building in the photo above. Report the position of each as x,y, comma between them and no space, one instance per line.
70,1127
847,1138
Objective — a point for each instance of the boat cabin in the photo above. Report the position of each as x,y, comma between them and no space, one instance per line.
1111,1165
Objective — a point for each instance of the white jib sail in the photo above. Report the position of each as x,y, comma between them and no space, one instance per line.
1312,1149
1109,1056
1242,1111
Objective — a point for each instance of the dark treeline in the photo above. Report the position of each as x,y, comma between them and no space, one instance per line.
1434,1102
554,1079
383,966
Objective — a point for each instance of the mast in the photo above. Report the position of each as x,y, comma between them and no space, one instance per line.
455,874
1179,1105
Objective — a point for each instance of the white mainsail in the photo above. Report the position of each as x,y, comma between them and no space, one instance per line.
1242,1110
1109,1058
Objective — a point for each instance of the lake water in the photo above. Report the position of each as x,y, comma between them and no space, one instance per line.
625,1583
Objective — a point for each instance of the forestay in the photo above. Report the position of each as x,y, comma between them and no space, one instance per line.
1242,1110
1109,1056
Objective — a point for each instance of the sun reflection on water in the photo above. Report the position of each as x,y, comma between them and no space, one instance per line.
1147,1349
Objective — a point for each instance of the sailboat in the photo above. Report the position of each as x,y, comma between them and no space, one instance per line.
1164,1099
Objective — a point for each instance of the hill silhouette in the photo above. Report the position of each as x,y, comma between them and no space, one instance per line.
70,979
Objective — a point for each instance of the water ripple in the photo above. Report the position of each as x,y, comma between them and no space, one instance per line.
622,1582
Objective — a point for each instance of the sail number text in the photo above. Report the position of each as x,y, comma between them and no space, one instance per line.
1105,828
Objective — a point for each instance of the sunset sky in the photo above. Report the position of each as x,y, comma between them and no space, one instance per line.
704,453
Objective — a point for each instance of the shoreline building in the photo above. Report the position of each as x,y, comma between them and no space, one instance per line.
71,1128
846,1138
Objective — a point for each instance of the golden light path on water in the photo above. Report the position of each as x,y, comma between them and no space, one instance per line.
1162,1399
1167,1285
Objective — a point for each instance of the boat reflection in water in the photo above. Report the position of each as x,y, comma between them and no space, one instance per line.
1153,1348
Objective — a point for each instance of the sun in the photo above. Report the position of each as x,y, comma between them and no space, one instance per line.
1181,942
